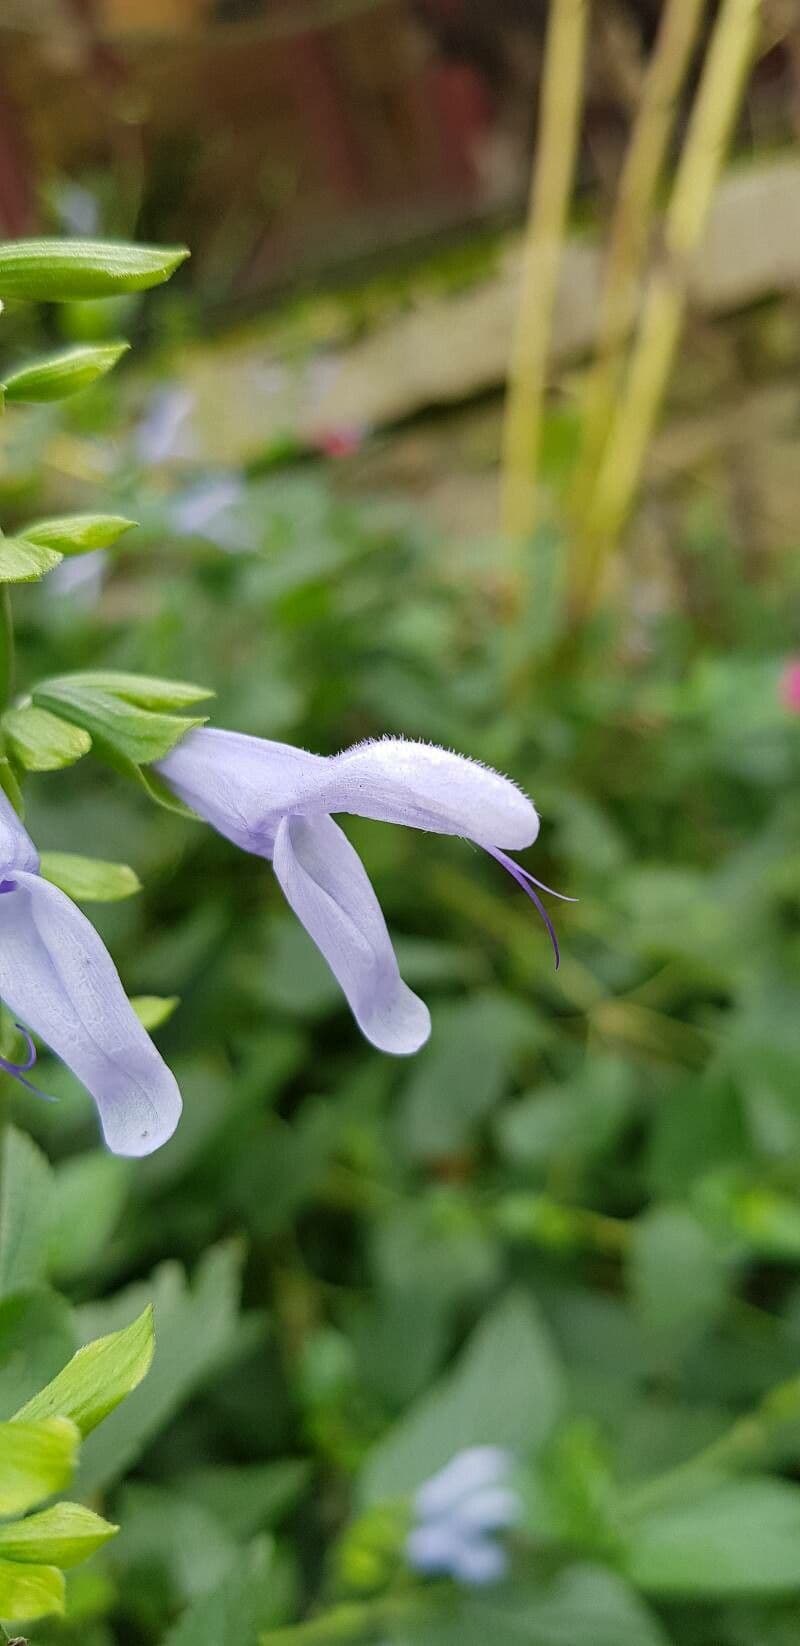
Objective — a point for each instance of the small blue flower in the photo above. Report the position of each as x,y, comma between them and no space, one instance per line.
459,1513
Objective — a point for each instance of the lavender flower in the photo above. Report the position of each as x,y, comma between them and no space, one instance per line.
458,1514
276,801
58,978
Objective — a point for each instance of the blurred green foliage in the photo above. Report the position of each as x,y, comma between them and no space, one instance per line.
570,1226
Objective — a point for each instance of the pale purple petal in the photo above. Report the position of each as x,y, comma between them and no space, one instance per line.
471,1470
478,1561
425,787
58,978
241,785
433,1548
488,1510
17,850
327,886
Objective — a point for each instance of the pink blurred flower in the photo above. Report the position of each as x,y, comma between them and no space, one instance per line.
790,686
342,442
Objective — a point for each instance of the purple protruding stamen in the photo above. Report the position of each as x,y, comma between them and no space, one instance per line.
19,1071
528,883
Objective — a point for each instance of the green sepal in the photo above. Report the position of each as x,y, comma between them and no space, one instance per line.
97,1378
41,742
37,1457
78,533
24,562
89,879
121,726
154,1010
30,1592
56,271
63,1535
60,375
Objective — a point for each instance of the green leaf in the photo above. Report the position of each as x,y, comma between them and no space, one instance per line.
460,1075
137,734
667,1245
10,786
90,879
249,1497
154,1010
54,271
144,691
29,1592
41,742
581,1606
98,1377
61,1536
196,1332
506,1389
86,1203
37,1335
233,1613
25,1189
78,533
63,374
737,1538
23,562
37,1458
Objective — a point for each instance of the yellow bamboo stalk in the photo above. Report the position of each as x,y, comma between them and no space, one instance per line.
713,116
632,223
551,187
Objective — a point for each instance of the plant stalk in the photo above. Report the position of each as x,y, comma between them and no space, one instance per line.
711,124
6,647
551,187
632,224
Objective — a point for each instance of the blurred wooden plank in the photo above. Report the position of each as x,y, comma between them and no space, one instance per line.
449,348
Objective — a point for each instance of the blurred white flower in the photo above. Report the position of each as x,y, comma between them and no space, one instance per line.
80,577
162,433
459,1513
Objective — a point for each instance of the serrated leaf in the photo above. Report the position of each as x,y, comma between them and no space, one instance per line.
78,533
60,375
98,1377
29,1592
55,271
37,1458
154,1010
89,879
43,743
138,734
61,1536
25,1187
24,562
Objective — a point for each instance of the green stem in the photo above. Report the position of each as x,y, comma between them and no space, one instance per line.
6,646
360,1620
751,1442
